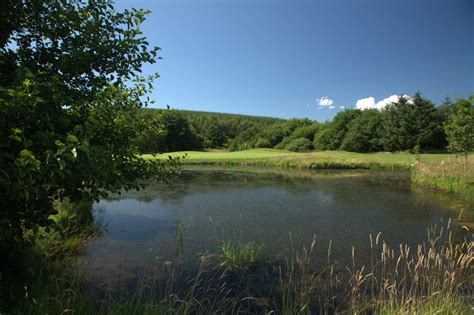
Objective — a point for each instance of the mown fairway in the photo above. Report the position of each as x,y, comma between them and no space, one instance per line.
323,159
197,156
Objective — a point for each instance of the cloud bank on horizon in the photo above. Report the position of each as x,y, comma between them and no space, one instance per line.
363,103
369,102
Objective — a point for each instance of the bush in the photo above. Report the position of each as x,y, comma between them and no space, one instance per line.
415,149
300,145
263,143
283,144
307,132
322,138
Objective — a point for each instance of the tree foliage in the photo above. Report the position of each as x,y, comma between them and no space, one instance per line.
413,124
364,132
332,135
300,145
410,123
70,99
167,131
460,127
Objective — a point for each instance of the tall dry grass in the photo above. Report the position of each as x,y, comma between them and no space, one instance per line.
434,277
454,174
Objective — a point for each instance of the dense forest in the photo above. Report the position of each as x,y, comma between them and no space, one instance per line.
414,124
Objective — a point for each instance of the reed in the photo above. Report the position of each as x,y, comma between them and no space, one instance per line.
180,231
434,277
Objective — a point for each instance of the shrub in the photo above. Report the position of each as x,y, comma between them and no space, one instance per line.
282,145
263,143
300,145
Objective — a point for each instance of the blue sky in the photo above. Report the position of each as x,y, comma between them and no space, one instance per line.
282,58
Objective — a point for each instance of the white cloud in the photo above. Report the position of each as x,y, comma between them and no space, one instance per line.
365,103
332,107
342,107
325,101
369,102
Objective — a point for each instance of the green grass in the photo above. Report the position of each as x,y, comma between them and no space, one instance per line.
311,160
200,156
238,256
451,175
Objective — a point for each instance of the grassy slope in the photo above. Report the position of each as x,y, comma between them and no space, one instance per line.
324,159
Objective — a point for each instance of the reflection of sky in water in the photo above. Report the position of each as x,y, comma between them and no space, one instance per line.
265,208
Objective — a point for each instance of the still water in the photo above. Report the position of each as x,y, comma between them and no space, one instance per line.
281,209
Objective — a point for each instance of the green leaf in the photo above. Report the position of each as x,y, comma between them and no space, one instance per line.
27,154
15,138
71,138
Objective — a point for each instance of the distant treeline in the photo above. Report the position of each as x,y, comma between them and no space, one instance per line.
412,124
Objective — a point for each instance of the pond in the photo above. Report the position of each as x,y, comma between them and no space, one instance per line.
277,208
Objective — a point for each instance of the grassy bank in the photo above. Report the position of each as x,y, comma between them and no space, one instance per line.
444,172
311,160
453,175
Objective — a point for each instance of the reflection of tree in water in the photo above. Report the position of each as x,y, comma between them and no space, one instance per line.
390,180
202,181
172,192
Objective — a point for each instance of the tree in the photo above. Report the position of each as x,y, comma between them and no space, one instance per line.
364,132
331,136
307,132
214,136
300,145
428,124
152,140
398,126
411,123
263,143
460,127
70,101
177,133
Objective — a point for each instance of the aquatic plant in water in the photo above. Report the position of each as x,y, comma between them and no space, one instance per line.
239,255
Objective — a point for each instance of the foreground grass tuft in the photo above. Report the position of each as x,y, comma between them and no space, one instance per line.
241,256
